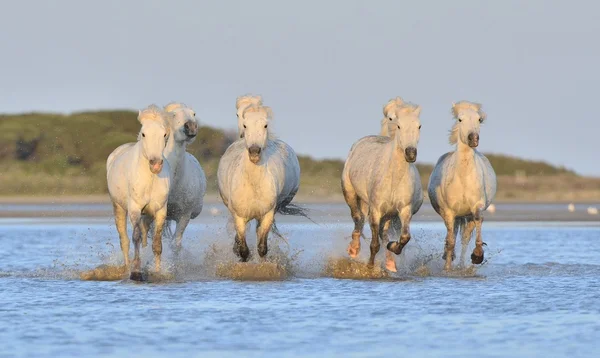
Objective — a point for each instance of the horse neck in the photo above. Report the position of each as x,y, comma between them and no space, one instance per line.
395,156
174,153
141,163
465,157
255,171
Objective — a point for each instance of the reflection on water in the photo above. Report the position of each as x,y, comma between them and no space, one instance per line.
538,294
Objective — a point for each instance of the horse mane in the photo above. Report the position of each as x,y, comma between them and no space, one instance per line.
456,109
392,103
267,111
156,114
248,99
174,105
407,107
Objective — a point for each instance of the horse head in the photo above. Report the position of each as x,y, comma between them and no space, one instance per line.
255,122
183,122
408,129
154,136
469,118
241,104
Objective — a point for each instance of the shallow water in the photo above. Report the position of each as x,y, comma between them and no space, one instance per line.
538,294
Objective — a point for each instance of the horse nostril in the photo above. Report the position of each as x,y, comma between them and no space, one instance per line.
411,153
254,150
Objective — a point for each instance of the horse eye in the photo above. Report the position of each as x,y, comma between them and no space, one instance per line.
143,135
265,126
419,127
390,118
480,120
460,120
165,136
244,126
398,127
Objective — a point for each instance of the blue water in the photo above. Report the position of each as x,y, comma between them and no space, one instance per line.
538,295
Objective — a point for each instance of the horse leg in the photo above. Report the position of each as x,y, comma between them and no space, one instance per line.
240,248
390,260
359,220
262,232
375,221
466,238
179,229
121,223
450,240
477,255
135,216
405,215
144,226
159,223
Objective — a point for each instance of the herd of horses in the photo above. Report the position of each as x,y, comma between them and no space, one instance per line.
155,180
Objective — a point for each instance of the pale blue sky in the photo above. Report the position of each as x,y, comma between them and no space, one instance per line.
325,67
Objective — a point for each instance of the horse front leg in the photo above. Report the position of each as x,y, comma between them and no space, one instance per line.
358,217
390,260
449,220
144,226
121,223
466,238
135,216
405,216
179,229
375,221
262,232
240,247
477,255
159,222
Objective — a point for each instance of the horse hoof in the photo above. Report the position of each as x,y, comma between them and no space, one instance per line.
353,251
395,247
391,266
137,276
477,259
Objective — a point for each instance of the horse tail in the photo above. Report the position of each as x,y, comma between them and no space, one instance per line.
459,226
294,210
168,233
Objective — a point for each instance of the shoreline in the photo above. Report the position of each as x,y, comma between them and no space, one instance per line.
214,198
323,208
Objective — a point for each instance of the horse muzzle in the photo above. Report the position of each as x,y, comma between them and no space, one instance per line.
254,153
190,129
410,154
156,166
473,140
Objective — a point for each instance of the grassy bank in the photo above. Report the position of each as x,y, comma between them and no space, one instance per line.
45,154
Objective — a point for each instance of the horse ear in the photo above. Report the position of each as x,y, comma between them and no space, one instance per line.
139,115
269,113
417,111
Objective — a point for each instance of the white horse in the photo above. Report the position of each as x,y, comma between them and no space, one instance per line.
380,180
241,104
188,183
388,123
258,176
463,183
138,184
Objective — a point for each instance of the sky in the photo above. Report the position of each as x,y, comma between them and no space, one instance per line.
325,67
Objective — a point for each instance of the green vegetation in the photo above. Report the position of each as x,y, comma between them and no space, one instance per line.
55,154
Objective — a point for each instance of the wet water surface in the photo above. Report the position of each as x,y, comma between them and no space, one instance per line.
537,294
